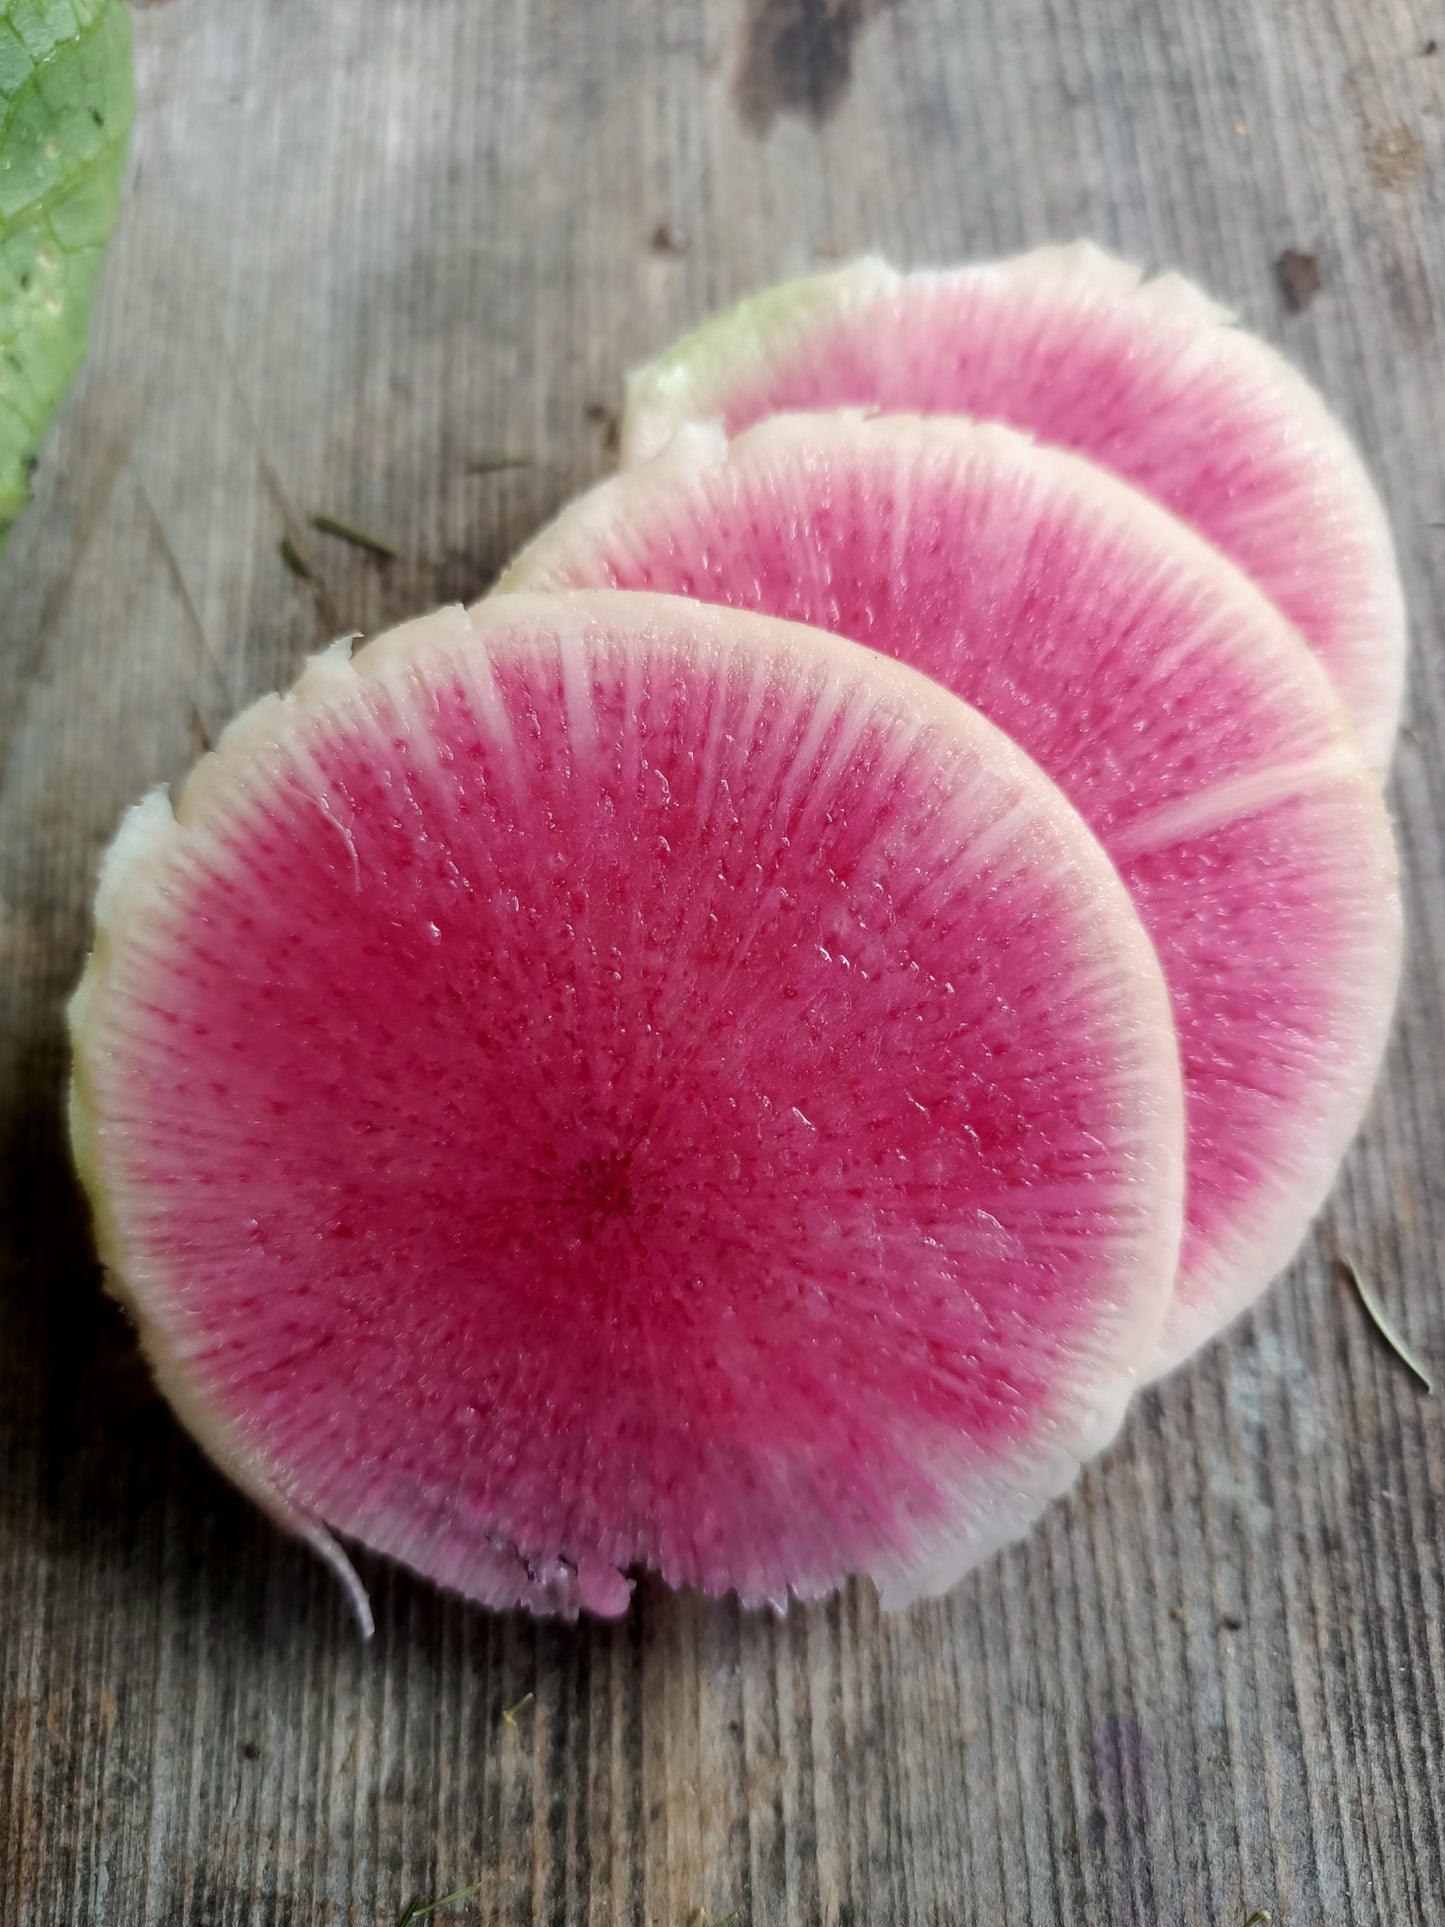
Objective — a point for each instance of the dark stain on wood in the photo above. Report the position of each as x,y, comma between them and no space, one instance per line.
606,420
798,57
1298,275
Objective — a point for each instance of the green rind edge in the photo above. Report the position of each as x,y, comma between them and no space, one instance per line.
688,380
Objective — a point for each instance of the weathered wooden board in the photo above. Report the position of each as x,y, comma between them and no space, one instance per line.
367,241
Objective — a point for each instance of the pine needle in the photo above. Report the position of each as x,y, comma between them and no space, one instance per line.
1259,1917
509,1713
295,558
495,460
1383,1326
419,1909
358,538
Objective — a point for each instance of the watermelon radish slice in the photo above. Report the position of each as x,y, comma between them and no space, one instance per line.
605,1082
1171,703
1145,378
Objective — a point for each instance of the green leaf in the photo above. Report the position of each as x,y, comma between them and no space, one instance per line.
66,103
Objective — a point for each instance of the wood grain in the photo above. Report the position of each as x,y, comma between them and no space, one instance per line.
365,243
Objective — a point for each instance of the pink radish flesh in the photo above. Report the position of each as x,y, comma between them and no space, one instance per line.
1147,380
610,1083
1170,702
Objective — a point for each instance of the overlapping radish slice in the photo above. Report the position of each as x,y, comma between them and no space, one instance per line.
1146,378
1185,719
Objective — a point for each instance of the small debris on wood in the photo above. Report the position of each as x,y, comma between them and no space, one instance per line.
418,1909
1231,1622
358,538
667,240
509,1713
1383,1326
1259,1917
1430,47
495,460
601,416
296,559
1396,158
1299,279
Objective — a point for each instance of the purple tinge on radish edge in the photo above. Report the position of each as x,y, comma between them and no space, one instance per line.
1183,717
607,1083
1147,378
